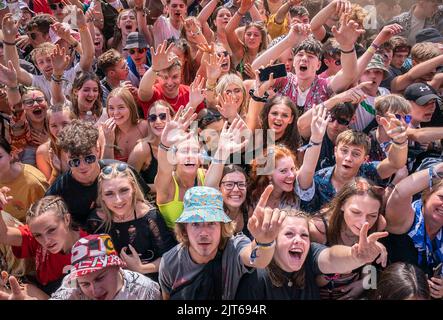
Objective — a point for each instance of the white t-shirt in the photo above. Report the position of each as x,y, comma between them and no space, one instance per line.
365,112
416,26
164,30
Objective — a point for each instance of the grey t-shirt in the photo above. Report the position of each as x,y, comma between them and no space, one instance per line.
135,287
177,267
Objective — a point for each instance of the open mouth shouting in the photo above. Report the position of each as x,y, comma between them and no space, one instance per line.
303,68
296,257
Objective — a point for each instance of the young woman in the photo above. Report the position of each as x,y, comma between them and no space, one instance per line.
182,50
144,155
27,183
357,203
99,42
123,128
192,32
48,238
417,225
50,160
137,229
126,23
296,262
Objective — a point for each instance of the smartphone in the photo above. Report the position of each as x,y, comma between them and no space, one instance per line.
279,71
437,270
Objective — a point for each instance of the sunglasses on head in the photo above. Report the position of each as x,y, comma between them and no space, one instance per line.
54,6
341,121
89,159
406,117
138,50
121,167
30,102
153,117
223,53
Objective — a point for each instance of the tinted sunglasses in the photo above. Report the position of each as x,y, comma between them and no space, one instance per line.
223,53
406,117
153,117
54,6
138,50
32,35
89,159
230,185
121,167
30,102
341,121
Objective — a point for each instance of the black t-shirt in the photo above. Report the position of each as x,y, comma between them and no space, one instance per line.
258,285
327,157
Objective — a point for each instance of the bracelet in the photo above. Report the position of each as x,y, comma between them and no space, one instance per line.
376,47
371,50
399,143
15,88
81,28
350,51
264,245
57,79
162,146
258,99
9,43
253,256
314,143
210,87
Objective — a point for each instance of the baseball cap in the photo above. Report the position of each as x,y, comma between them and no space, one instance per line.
428,35
203,204
377,63
421,93
135,40
93,253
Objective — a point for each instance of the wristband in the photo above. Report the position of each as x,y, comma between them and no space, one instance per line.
371,50
260,245
9,43
162,146
258,99
350,51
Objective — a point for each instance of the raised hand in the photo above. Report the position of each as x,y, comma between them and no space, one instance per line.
61,30
175,130
227,107
9,27
80,16
319,122
206,48
354,95
387,33
230,140
245,6
108,128
298,33
196,92
60,60
341,6
22,42
132,261
139,3
265,222
395,128
249,71
213,67
8,75
4,198
262,87
368,248
161,58
348,32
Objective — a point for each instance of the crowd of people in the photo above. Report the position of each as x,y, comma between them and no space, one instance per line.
221,150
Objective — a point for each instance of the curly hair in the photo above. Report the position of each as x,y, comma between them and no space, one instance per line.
108,60
44,48
41,22
78,138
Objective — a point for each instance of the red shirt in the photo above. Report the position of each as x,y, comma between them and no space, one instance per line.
41,6
49,267
182,99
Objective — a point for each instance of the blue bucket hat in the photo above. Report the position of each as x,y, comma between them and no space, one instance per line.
203,204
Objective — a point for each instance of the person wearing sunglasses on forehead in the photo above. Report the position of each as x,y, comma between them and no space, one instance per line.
357,204
139,57
144,155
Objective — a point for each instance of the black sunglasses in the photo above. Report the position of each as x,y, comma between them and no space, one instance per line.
224,53
54,6
120,168
89,159
341,121
139,50
153,117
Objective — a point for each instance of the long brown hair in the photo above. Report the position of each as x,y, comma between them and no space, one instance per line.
358,186
79,81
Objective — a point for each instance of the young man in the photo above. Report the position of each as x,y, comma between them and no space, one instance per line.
139,58
331,58
96,274
209,261
43,60
351,154
163,81
289,13
304,87
165,28
400,52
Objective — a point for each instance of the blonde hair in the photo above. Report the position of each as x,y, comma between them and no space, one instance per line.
55,204
128,100
354,138
424,51
228,79
44,48
392,103
116,173
227,231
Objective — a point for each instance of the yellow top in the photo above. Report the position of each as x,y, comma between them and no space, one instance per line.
174,208
274,29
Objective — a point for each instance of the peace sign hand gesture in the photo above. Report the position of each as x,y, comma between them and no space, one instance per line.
368,248
265,222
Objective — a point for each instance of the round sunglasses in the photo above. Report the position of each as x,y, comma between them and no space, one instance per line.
75,162
153,117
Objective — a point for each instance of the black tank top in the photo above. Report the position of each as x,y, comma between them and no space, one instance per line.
150,172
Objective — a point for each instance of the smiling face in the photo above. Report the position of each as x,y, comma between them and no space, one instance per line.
433,207
57,121
292,244
234,197
170,81
86,173
359,209
87,95
279,117
222,18
283,176
35,105
187,157
306,65
253,38
204,238
118,110
158,125
102,284
118,194
50,231
43,61
422,113
127,22
349,158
